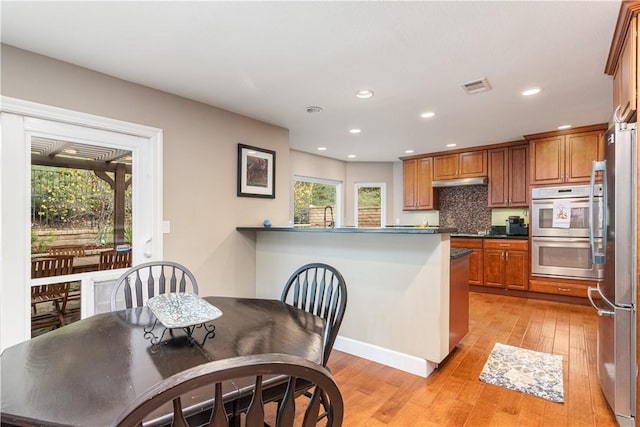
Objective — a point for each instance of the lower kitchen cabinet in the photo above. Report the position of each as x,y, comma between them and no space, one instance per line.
475,258
506,263
549,285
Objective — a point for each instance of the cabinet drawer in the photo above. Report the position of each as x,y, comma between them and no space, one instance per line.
576,289
516,245
457,242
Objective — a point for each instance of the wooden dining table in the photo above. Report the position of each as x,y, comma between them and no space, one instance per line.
86,373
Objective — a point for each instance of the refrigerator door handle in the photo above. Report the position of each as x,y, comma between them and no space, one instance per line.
598,257
600,311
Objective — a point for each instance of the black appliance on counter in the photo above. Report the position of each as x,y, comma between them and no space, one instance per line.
516,226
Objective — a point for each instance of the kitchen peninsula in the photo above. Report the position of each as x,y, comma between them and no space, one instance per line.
398,281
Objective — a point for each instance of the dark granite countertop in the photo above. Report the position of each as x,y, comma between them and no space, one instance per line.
459,252
377,230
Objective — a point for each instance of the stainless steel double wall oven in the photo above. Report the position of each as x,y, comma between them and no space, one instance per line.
562,248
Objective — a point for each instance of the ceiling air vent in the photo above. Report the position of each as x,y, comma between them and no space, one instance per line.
477,86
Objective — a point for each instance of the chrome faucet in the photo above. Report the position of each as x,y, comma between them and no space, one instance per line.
332,224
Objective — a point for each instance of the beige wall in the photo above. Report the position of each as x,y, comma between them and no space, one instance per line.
200,160
349,173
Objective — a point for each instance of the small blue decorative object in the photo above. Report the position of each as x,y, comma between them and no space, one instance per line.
266,223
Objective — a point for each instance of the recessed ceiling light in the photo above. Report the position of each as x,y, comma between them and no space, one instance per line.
355,131
427,114
532,91
408,151
313,109
364,94
322,148
564,127
351,156
71,151
450,145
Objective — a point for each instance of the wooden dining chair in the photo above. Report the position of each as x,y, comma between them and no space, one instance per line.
258,367
54,293
112,260
319,289
75,250
144,281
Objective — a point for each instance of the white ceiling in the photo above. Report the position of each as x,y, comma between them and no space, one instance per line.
270,60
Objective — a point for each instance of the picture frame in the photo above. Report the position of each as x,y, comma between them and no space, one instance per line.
256,172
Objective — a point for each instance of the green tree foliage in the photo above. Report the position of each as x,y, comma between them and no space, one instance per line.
306,194
64,197
369,197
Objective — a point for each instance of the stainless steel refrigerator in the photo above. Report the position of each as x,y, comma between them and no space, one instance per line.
615,296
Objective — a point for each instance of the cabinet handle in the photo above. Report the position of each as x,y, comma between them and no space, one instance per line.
564,289
504,244
507,256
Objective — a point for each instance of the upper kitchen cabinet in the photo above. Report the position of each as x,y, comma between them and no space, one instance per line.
418,194
460,165
565,156
622,62
508,169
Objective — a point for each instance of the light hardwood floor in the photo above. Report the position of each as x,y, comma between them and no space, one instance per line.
376,395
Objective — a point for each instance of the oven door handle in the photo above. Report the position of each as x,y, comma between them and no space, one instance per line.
598,257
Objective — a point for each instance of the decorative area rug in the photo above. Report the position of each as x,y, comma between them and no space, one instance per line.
532,372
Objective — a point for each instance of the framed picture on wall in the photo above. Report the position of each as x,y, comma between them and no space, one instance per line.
256,172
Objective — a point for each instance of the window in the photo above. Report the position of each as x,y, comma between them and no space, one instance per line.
316,202
369,205
81,202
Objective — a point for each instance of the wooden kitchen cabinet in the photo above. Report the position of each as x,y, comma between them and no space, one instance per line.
565,157
550,285
460,165
506,263
418,194
508,171
625,84
475,258
622,62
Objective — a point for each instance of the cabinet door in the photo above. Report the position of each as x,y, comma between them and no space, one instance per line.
472,164
518,176
426,197
475,267
581,150
547,160
498,169
624,78
516,271
409,170
445,167
493,267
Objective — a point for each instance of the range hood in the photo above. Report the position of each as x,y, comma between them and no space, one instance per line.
460,182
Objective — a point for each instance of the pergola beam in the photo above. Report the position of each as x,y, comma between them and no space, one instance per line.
65,162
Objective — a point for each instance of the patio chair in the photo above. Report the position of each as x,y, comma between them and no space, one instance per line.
55,293
75,250
144,281
112,260
319,289
213,374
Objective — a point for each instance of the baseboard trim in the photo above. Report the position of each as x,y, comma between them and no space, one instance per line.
404,362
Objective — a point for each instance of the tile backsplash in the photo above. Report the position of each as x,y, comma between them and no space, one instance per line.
465,208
